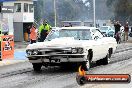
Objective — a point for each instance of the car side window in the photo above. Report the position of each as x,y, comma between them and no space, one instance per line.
94,34
52,35
97,34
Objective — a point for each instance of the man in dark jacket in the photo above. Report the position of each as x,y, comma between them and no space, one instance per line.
117,26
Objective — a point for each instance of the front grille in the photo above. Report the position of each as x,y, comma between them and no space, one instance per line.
76,56
58,52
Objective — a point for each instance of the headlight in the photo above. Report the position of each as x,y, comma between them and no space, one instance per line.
29,52
80,50
74,50
77,50
35,52
32,52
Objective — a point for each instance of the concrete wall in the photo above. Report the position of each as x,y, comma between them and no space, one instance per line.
18,31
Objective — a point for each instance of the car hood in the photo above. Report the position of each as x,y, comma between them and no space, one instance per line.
60,42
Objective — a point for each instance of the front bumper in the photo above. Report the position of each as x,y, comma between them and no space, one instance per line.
57,58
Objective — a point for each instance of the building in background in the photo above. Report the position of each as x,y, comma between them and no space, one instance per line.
21,17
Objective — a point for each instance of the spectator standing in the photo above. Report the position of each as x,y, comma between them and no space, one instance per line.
44,29
126,30
33,34
117,26
27,33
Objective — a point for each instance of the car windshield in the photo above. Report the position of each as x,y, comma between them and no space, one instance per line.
77,34
104,28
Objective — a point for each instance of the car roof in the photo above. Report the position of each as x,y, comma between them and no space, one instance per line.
106,26
78,27
70,28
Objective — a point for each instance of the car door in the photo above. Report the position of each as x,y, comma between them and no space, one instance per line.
104,44
97,44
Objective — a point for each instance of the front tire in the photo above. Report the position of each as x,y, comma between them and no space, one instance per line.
86,65
105,60
37,66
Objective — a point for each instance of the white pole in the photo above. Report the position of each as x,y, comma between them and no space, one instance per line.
55,11
94,19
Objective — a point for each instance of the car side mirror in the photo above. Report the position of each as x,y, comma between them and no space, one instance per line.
104,35
96,38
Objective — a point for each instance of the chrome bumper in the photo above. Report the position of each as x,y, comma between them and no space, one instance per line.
57,58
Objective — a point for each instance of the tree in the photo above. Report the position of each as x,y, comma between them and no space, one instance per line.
38,12
66,10
122,9
69,10
130,12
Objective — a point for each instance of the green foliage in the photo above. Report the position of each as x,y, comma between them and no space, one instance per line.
121,8
130,8
109,3
71,10
66,10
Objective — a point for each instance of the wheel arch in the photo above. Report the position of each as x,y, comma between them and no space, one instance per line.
90,52
110,50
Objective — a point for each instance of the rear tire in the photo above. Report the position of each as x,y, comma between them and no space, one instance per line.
106,60
37,66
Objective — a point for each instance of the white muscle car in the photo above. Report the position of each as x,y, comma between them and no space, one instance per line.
80,45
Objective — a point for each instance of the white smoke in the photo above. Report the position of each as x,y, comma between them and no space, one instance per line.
86,3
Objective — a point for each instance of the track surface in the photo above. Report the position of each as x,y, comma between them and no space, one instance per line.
21,75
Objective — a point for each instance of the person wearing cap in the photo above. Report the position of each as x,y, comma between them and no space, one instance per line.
44,29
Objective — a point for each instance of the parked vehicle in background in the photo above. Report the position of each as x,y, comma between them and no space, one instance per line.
107,31
71,45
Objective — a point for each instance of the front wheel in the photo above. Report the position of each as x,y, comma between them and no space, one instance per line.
86,65
37,66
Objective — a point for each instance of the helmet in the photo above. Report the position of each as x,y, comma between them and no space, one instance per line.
45,21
